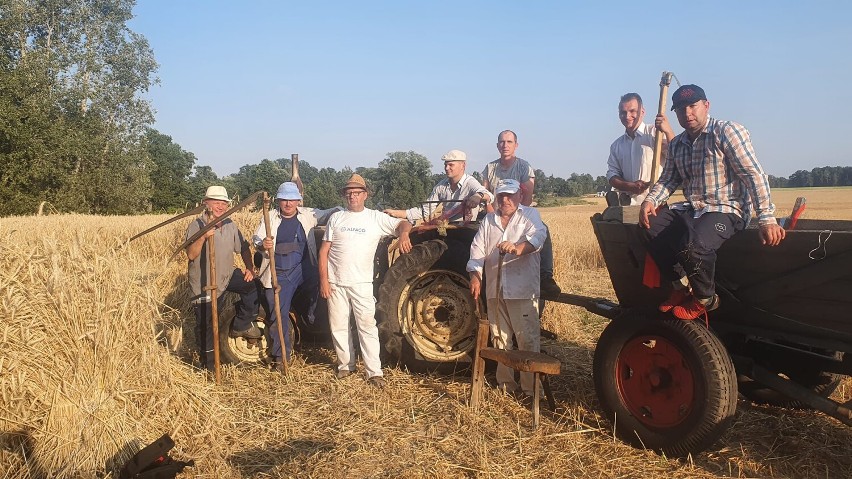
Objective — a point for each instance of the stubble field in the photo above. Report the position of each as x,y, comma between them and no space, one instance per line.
93,364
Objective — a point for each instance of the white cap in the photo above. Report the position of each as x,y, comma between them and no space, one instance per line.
288,191
507,186
217,193
454,155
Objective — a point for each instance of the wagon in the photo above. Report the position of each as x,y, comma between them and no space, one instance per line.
781,335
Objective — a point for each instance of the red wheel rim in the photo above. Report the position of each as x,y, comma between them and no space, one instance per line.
655,382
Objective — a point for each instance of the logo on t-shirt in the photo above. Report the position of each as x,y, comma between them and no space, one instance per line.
352,229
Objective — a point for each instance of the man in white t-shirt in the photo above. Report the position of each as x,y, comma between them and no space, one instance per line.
346,277
631,155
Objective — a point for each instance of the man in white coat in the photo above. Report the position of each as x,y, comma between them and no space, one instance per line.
513,234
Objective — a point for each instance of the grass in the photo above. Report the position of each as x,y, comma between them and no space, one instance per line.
93,364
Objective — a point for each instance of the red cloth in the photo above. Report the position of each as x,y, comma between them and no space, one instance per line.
651,275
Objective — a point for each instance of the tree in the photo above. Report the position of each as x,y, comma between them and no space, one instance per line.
171,167
72,120
402,180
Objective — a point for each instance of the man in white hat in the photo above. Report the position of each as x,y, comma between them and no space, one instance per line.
517,232
346,277
457,186
227,241
292,243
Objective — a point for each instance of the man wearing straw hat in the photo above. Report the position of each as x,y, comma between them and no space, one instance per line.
631,155
346,277
715,163
228,240
512,235
458,185
295,251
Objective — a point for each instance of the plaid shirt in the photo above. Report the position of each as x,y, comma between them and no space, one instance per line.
719,173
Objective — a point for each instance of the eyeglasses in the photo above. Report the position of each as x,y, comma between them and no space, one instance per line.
353,193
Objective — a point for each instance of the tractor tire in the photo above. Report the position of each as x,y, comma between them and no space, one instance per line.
426,314
240,351
665,385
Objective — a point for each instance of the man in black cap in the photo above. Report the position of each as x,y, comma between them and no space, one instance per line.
723,182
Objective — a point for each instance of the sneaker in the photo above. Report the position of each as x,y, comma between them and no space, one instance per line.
377,382
253,332
694,308
678,297
549,288
343,373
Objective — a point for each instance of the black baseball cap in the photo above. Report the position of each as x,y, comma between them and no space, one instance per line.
687,95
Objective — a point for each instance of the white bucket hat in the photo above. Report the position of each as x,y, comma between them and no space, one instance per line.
217,193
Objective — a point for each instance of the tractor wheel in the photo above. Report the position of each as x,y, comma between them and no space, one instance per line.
242,351
424,310
666,385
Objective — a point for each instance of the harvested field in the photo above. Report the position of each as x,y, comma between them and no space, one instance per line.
95,348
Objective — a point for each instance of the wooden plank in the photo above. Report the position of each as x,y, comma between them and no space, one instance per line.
478,379
527,361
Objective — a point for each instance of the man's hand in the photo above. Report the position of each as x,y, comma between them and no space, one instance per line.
772,234
268,245
638,186
248,275
475,286
646,211
404,242
473,201
508,247
325,289
661,122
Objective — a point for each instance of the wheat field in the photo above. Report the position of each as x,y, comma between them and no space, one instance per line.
93,365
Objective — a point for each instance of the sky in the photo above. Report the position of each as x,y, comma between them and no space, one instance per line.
343,83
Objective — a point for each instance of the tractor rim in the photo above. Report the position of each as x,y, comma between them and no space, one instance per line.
655,381
247,352
437,313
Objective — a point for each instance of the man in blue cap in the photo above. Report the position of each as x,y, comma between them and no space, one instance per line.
295,251
714,161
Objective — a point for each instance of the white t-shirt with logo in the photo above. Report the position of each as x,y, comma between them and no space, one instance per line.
354,237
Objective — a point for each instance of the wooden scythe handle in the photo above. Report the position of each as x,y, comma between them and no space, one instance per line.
214,307
275,288
665,81
294,162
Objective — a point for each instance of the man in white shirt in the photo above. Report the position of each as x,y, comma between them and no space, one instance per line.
509,166
513,234
346,277
457,186
631,155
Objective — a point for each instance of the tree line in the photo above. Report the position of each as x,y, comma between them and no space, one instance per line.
821,176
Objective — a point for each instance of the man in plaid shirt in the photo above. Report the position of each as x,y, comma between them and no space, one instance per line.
723,182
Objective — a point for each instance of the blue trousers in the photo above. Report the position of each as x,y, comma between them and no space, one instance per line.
246,312
678,238
288,281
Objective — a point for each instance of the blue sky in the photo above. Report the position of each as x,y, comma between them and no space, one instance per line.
343,83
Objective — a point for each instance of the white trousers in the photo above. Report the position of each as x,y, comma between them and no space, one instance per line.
359,300
518,317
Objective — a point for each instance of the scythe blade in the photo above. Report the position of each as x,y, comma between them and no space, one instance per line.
195,211
251,199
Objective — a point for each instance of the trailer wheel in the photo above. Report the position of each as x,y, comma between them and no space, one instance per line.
666,385
426,310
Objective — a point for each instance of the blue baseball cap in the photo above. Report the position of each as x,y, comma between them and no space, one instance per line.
288,191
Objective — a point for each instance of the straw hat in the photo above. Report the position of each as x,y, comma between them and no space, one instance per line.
355,182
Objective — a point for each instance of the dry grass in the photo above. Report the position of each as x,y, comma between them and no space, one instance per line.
86,376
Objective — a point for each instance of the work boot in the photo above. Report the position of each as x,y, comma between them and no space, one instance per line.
549,288
253,332
278,365
676,298
695,307
343,373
